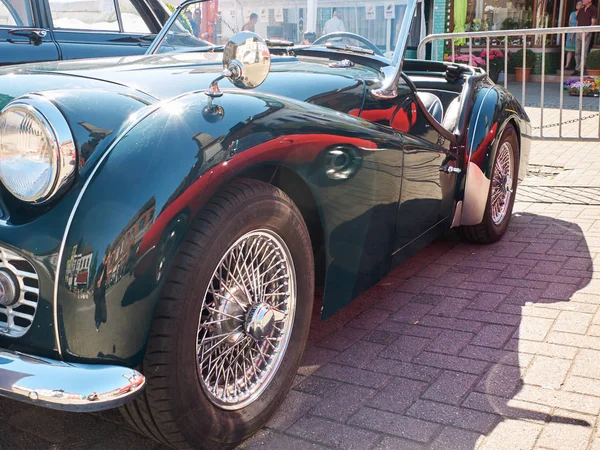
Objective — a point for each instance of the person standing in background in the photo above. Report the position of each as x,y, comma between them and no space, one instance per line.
251,24
335,24
586,17
570,39
193,23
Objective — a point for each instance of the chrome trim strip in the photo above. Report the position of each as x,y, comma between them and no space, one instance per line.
67,386
389,87
135,120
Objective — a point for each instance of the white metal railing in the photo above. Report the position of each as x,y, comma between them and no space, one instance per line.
525,35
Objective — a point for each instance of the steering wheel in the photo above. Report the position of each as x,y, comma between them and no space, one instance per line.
345,34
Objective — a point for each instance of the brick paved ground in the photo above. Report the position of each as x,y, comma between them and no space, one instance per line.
463,346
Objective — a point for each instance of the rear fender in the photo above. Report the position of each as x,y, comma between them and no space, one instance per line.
494,108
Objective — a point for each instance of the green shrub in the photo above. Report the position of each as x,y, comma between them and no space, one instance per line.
593,60
517,58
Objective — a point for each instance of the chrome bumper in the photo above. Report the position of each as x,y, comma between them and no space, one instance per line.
66,386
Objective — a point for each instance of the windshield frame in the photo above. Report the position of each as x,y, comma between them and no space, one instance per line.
389,88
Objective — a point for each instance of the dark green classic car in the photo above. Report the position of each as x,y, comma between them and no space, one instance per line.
161,233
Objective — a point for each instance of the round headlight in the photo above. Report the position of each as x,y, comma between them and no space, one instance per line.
37,153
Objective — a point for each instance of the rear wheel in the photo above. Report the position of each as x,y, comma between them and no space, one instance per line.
232,324
501,197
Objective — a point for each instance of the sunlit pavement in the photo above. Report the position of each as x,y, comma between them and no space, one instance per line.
463,346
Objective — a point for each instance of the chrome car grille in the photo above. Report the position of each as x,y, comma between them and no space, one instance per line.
16,320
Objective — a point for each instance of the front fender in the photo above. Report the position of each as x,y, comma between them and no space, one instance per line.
139,202
494,108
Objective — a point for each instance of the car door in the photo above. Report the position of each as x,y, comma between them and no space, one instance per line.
94,29
23,36
426,195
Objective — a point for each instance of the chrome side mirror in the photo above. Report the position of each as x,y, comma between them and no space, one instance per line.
246,62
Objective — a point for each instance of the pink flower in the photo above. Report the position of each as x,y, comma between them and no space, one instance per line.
473,60
493,54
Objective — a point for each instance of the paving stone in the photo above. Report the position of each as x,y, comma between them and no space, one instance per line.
394,443
343,402
359,354
416,329
450,342
398,395
495,356
575,340
533,328
523,346
450,307
395,424
333,434
567,430
513,434
572,322
314,358
353,376
587,364
369,319
549,373
516,409
404,369
582,385
445,414
451,362
455,439
414,285
411,313
394,301
486,301
451,387
501,380
317,386
494,336
561,399
451,323
295,405
381,337
271,440
405,348
342,339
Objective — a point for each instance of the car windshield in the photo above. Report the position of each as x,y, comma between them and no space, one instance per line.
365,26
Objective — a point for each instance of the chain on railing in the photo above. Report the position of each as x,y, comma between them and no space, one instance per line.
525,35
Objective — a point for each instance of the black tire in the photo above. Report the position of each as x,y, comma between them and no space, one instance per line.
174,408
488,231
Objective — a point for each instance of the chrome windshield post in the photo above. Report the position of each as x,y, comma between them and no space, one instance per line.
389,88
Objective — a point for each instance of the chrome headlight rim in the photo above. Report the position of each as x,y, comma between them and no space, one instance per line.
64,161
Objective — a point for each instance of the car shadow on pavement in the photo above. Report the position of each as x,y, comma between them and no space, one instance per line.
461,346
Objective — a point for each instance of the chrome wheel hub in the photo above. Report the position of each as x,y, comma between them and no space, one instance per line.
246,320
260,321
502,183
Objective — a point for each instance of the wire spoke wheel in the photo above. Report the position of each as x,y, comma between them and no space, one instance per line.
502,183
246,319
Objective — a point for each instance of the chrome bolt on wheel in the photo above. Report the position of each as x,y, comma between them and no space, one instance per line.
246,319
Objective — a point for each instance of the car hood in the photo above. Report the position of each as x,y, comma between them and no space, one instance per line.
160,77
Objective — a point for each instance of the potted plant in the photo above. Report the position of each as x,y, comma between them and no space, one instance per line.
588,87
592,63
496,58
520,71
